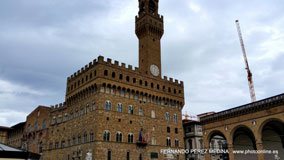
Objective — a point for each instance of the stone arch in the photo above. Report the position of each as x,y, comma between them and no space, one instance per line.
271,133
217,140
243,138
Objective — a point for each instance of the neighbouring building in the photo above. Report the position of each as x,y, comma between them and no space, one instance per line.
15,135
35,134
255,126
4,134
193,140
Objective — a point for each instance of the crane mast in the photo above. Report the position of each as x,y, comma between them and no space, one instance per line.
250,81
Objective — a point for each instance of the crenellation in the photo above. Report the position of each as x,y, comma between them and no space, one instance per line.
130,67
171,80
101,59
123,65
165,78
116,63
109,60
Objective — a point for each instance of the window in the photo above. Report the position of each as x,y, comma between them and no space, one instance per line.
168,141
176,130
153,115
140,111
119,107
175,118
109,155
62,144
50,145
158,86
118,137
113,75
134,80
74,140
168,130
167,116
127,78
85,139
146,83
120,76
130,109
79,139
130,138
56,145
44,124
140,82
128,155
176,143
106,136
92,137
36,126
108,106
152,85
106,72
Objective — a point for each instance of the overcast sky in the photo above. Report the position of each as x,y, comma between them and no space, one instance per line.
43,42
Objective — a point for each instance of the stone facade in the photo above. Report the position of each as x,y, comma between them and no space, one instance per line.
15,135
118,112
255,126
35,134
4,134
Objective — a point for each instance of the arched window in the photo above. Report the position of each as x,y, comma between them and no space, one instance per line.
128,155
119,107
109,154
118,137
168,130
92,137
85,138
130,138
167,116
175,118
176,143
130,109
168,141
106,72
106,136
108,105
44,124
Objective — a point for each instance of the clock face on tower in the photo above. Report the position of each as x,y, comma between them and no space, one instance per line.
154,70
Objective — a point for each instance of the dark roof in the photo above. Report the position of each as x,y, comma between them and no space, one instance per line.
4,128
10,152
245,109
19,125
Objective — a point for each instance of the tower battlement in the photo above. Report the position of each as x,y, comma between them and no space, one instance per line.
118,65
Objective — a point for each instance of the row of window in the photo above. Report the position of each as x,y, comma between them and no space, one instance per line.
74,141
108,107
145,83
36,126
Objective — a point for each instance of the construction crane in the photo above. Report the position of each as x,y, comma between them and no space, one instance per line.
250,81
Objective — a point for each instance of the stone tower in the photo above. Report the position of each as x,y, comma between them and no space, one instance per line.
149,30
